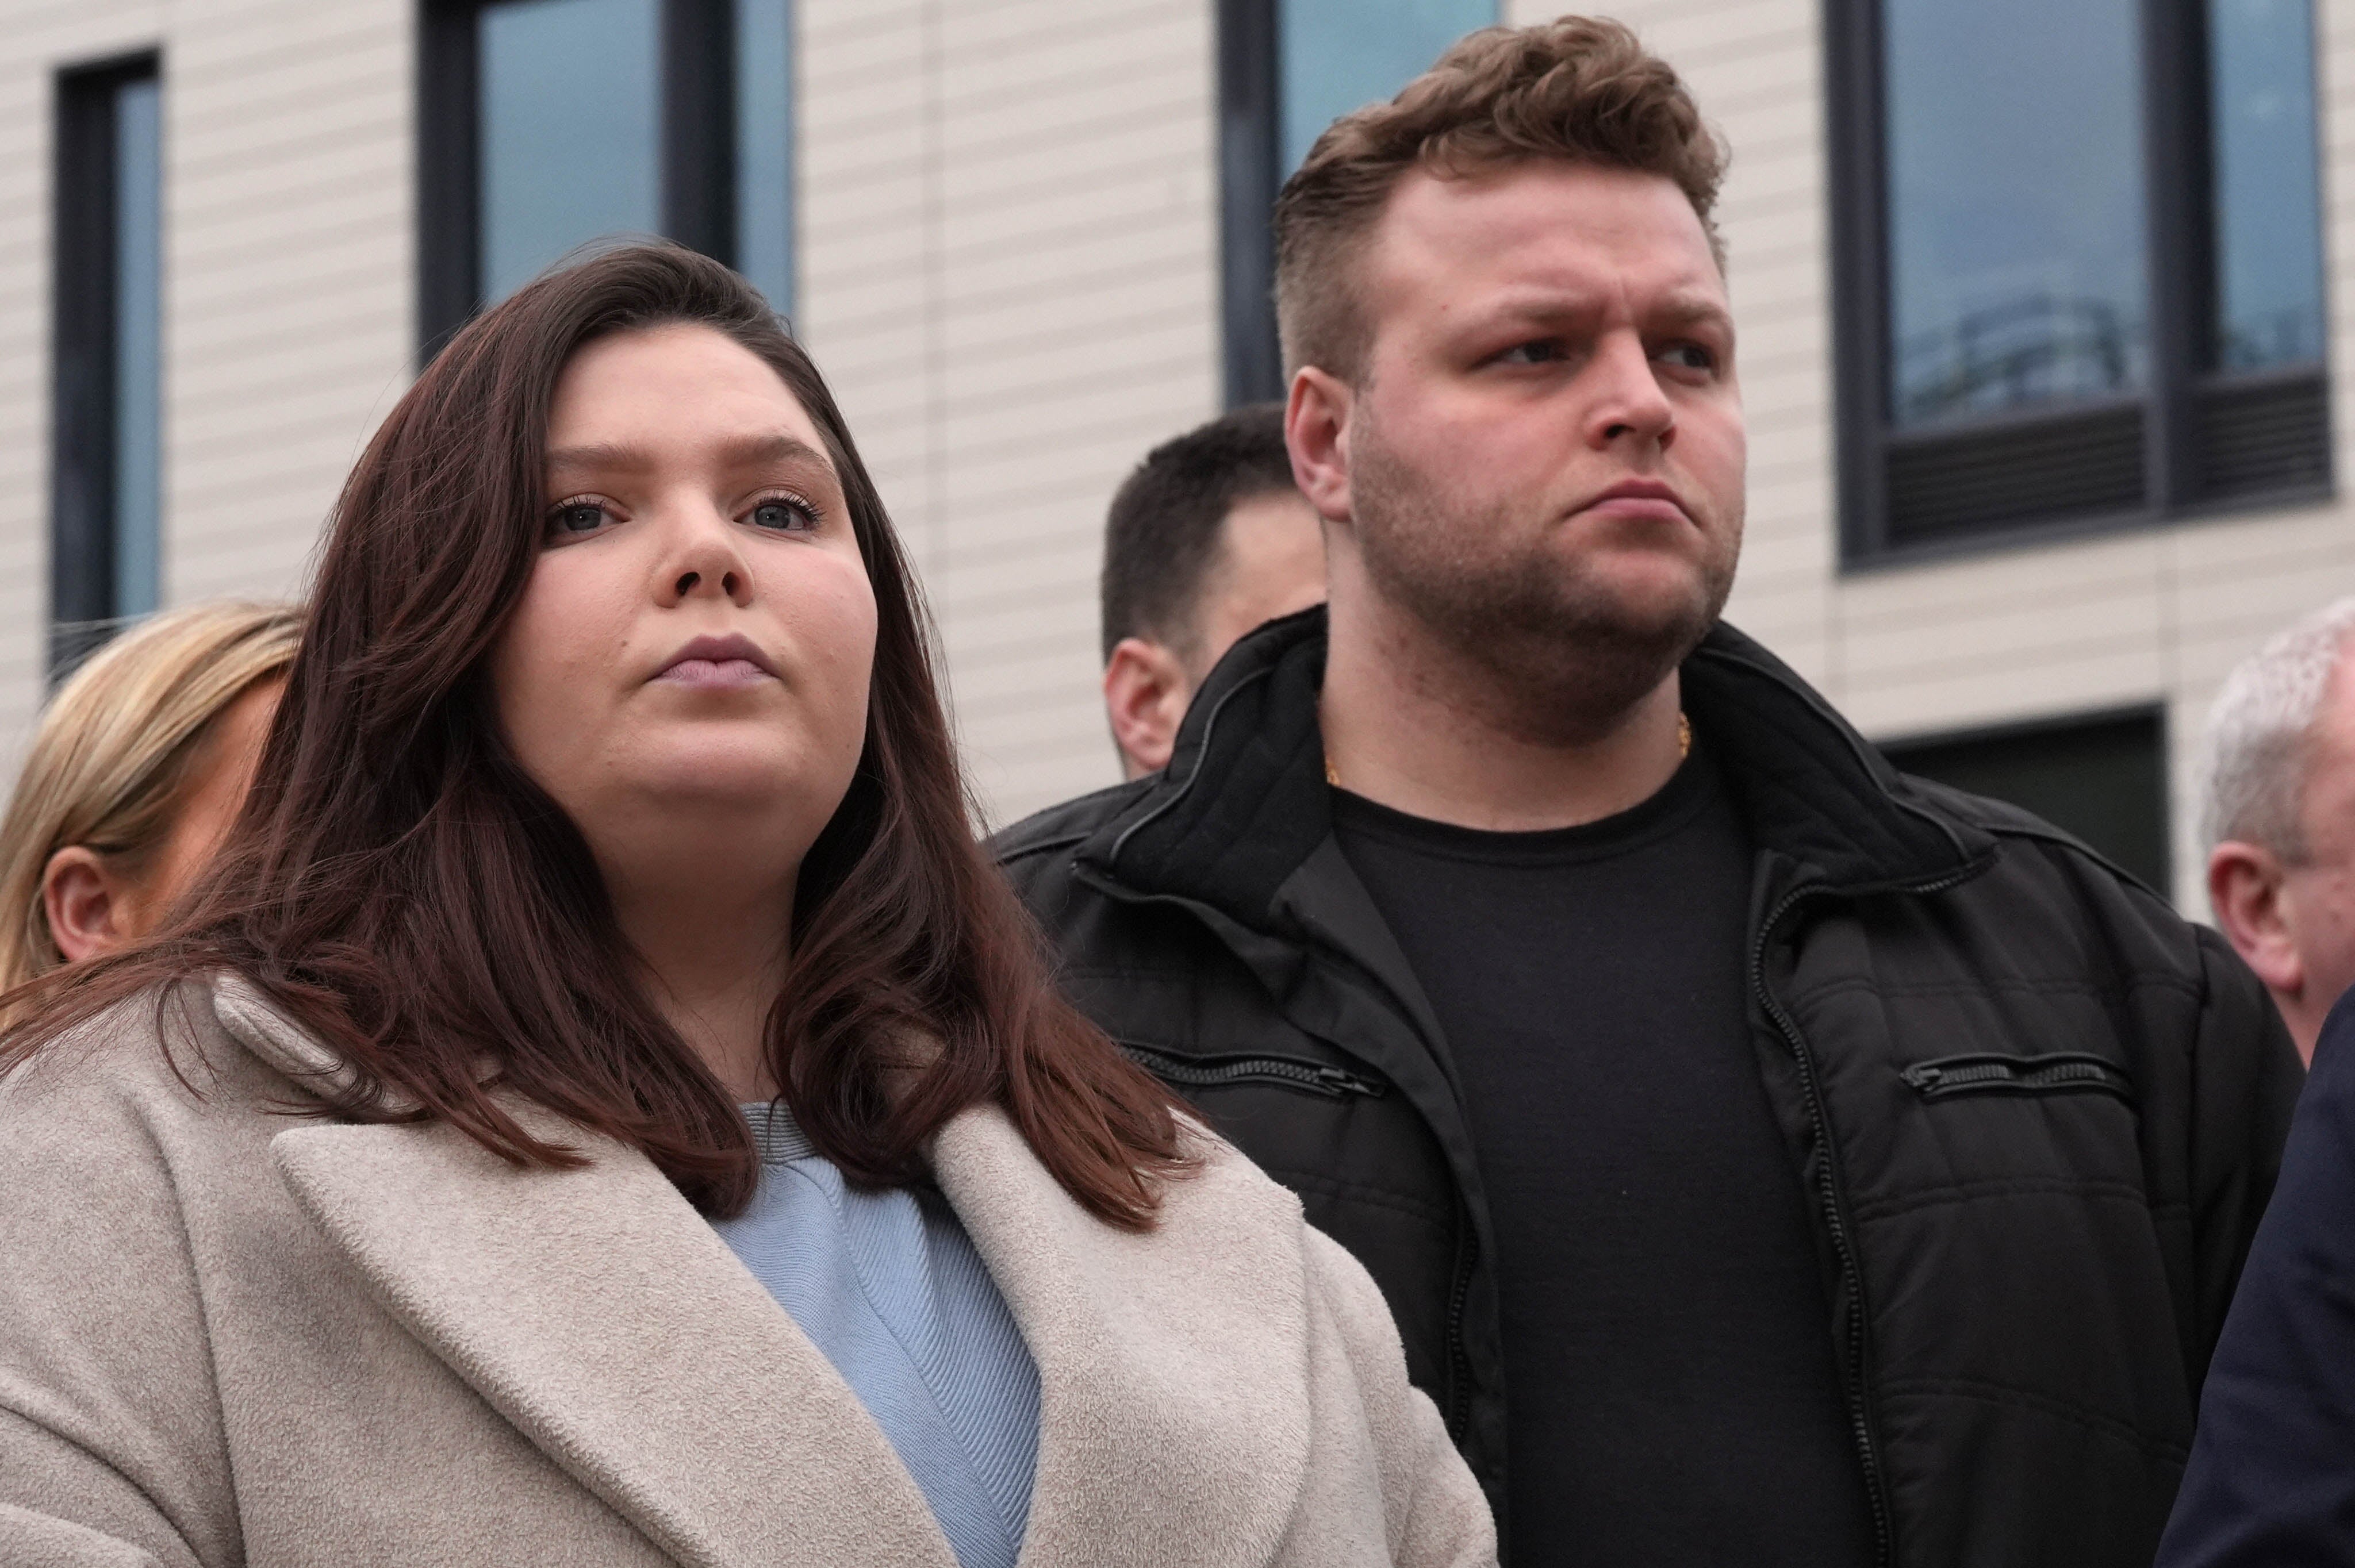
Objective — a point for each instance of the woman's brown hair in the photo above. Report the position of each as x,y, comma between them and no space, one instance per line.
400,886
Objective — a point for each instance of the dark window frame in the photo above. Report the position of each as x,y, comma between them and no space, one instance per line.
2178,449
1249,174
1898,748
84,593
697,160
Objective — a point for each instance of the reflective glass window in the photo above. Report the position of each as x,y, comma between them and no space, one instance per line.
2269,220
1339,55
571,130
138,347
2016,233
764,163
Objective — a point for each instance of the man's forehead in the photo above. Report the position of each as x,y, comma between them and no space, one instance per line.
1544,225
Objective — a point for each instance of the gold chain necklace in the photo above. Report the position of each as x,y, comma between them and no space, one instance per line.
1684,749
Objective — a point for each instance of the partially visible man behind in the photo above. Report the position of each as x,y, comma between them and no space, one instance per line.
1206,540
1768,1159
2280,815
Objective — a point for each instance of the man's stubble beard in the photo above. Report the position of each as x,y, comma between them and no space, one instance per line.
1567,656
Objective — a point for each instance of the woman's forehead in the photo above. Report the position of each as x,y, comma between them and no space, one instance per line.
674,383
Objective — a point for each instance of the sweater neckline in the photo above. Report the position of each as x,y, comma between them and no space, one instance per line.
775,1133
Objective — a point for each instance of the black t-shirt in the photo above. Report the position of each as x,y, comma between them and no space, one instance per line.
1668,1359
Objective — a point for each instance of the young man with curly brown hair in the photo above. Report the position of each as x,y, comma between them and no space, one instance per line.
1770,1159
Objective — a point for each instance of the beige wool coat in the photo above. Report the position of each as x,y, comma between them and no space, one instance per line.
233,1335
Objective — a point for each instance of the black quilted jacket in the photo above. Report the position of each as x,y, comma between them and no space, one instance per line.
2038,1112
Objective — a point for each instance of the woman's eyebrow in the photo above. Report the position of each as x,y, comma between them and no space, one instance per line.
741,451
746,451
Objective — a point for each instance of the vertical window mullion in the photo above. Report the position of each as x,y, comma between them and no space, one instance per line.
448,129
105,494
1860,272
1248,180
699,133
82,468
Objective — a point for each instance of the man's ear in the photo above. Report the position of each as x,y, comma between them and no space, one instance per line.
2246,887
1317,429
85,903
1146,688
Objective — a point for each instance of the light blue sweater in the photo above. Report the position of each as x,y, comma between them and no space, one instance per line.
888,1284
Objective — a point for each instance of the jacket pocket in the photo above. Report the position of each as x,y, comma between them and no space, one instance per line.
1221,1072
1987,1073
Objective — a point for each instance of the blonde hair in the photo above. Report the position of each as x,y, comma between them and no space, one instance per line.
112,758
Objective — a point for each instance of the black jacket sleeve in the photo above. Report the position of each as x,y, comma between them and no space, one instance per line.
2271,1476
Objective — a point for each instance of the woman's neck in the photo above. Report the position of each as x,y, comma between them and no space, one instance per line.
716,960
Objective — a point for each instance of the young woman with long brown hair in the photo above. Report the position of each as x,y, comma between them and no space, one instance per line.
600,964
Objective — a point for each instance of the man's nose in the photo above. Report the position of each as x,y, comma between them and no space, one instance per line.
1628,401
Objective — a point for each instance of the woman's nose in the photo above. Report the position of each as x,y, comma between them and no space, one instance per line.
707,562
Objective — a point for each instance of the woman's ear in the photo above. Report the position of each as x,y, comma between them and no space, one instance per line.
87,905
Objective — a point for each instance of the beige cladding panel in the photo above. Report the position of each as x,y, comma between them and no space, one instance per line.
291,273
287,320
1013,285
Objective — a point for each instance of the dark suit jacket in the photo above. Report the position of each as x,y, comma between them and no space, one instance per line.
2271,1476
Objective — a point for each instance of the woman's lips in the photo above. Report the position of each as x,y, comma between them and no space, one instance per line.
715,673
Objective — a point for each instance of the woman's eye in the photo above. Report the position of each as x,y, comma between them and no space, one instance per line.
577,517
781,515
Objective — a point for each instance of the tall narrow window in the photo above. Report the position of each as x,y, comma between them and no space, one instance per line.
2080,274
571,107
545,125
1287,69
106,490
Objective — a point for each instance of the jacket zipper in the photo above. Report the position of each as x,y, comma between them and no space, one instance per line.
1315,1077
1989,1075
1876,1483
1459,1359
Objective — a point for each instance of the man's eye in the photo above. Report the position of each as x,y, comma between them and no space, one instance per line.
1690,355
1543,351
577,517
781,514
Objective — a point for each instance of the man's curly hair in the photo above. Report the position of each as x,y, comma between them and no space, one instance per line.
1580,90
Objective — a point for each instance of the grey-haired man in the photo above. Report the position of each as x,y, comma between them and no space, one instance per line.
2280,815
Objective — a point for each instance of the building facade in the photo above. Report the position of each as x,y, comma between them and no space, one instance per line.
2039,374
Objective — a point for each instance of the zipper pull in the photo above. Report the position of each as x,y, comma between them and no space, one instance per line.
1343,1082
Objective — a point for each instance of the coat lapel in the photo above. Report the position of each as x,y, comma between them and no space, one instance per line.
1173,1367
598,1313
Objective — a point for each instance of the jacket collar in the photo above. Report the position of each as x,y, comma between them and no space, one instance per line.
1243,802
603,1319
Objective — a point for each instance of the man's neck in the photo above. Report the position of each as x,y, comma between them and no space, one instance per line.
1416,727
